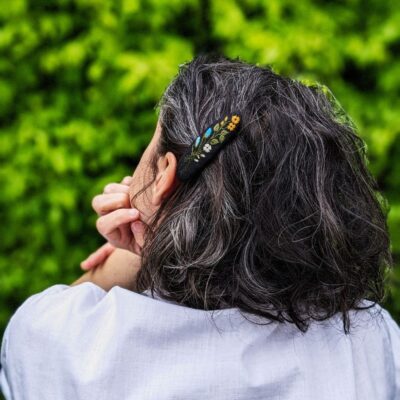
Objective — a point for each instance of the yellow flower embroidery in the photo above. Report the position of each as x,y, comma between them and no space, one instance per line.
235,119
231,126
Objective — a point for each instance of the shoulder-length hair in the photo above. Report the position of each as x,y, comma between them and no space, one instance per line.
286,222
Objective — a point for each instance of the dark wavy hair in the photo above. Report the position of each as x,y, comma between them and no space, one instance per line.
286,222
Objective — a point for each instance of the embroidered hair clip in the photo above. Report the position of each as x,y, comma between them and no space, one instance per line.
207,145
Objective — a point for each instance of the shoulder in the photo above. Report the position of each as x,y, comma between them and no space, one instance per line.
377,315
45,320
54,306
372,320
392,336
42,326
52,303
381,338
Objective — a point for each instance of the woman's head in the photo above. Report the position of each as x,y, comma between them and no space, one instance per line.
165,165
286,222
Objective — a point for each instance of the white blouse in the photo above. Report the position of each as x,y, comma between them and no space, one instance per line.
81,342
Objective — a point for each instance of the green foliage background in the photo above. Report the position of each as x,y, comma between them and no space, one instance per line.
79,80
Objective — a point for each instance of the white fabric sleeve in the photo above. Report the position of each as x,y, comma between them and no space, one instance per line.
393,334
18,331
5,388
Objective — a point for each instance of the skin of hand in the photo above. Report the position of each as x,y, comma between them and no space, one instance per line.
119,269
118,222
102,253
122,219
98,257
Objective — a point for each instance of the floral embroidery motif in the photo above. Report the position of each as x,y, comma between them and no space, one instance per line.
207,147
231,126
212,136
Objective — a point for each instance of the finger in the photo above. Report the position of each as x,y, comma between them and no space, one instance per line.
108,223
115,188
126,235
138,229
127,180
97,257
104,203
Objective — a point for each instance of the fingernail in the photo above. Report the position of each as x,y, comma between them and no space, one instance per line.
134,212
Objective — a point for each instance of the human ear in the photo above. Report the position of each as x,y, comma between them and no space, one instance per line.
166,178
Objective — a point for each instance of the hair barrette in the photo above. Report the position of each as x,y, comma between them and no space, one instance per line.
206,146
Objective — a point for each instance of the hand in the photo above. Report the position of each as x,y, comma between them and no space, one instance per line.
98,257
119,269
117,224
